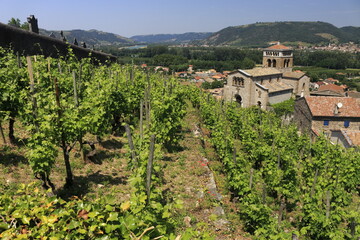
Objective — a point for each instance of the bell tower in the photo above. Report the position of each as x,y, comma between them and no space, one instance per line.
278,56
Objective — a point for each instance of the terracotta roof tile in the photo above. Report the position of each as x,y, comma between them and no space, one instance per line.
331,87
325,106
279,47
296,75
256,72
352,135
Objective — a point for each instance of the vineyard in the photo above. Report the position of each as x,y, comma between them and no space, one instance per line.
109,151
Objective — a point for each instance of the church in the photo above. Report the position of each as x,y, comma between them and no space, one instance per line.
272,83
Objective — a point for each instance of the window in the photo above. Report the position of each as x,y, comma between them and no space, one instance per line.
238,81
346,123
326,122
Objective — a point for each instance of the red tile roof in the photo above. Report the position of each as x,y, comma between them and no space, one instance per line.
353,135
278,46
331,87
325,106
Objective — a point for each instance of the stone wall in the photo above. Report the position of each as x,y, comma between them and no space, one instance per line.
278,97
245,92
335,123
29,43
302,115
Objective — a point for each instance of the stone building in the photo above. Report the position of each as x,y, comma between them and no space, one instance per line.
336,117
272,83
278,56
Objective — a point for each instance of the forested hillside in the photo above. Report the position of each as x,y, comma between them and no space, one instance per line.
171,38
91,37
259,34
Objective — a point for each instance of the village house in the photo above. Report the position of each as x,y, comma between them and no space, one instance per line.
272,83
336,117
331,90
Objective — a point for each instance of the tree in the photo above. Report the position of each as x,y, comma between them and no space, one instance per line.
15,22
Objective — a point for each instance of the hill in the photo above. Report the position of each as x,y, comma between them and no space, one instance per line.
259,34
91,37
171,38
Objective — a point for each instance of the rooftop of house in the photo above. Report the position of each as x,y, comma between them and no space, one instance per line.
275,86
352,136
327,106
354,94
278,47
331,87
296,75
330,93
257,72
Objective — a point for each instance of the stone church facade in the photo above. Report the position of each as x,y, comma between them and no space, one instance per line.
272,83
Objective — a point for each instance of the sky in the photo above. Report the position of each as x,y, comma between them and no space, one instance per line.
140,17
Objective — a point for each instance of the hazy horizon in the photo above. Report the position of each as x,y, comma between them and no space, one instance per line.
130,18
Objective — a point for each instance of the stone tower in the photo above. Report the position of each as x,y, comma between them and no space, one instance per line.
278,56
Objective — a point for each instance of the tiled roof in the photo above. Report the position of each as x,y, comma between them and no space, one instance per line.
279,47
331,87
325,106
354,94
276,86
327,93
353,136
296,75
256,72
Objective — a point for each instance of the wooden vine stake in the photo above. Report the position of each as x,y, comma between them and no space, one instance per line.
76,100
314,183
131,144
150,166
141,119
32,89
251,177
328,204
2,134
234,155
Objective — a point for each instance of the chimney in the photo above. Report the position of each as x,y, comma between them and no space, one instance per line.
33,24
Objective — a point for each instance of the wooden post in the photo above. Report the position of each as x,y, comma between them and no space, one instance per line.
76,100
131,144
150,166
2,134
264,193
234,156
59,66
75,90
32,89
281,210
141,119
314,183
328,202
251,177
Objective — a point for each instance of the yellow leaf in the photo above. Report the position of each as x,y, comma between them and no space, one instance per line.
52,219
125,205
36,190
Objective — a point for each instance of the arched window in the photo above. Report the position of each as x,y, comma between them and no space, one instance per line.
238,81
273,63
259,103
269,63
238,99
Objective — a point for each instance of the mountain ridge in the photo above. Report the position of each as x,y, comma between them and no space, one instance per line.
91,37
171,38
261,33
